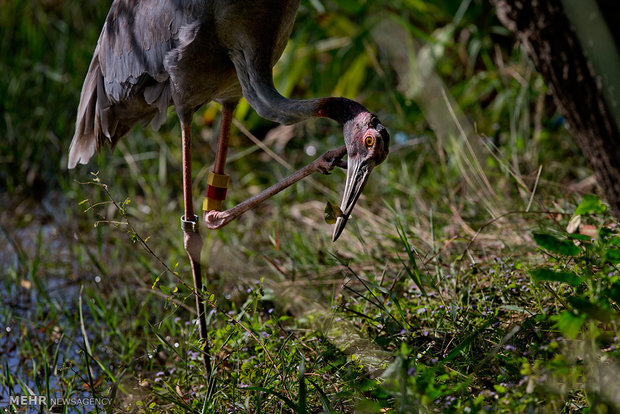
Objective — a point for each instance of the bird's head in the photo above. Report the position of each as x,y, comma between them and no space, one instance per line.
367,143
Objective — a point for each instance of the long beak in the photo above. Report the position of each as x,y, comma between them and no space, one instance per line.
358,172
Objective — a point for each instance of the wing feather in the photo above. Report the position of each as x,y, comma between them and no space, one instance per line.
127,71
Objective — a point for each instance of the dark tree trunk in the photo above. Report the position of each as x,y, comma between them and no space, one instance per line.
611,11
551,42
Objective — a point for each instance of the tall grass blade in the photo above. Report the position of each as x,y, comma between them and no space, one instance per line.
412,269
302,385
289,403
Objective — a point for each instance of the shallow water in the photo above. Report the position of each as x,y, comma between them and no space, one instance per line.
39,304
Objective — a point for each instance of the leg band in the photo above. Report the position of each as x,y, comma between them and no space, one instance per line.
216,191
189,225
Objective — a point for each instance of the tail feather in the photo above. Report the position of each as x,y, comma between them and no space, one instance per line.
87,125
101,120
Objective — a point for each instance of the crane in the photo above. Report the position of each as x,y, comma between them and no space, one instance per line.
153,54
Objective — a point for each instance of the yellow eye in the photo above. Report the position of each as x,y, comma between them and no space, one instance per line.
369,140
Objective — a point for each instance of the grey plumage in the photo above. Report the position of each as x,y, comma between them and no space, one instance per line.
155,53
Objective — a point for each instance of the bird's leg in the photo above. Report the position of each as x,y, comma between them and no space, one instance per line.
218,179
193,241
222,143
323,164
189,221
186,137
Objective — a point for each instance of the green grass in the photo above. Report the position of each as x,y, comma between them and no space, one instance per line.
455,287
493,331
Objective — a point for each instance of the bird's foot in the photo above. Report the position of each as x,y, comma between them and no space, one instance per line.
216,219
330,160
325,163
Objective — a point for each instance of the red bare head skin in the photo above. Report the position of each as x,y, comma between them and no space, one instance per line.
367,143
366,137
357,125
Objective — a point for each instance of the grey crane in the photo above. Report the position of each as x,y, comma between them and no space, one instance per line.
152,54
155,53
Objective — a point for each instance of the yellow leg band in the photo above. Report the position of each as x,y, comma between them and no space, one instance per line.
216,191
210,204
218,180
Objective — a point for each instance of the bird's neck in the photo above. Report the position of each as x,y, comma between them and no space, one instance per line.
339,109
275,107
258,88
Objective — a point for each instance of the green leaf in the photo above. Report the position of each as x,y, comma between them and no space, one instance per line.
612,256
614,292
600,312
500,389
580,237
604,233
547,275
569,324
332,212
590,204
555,245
